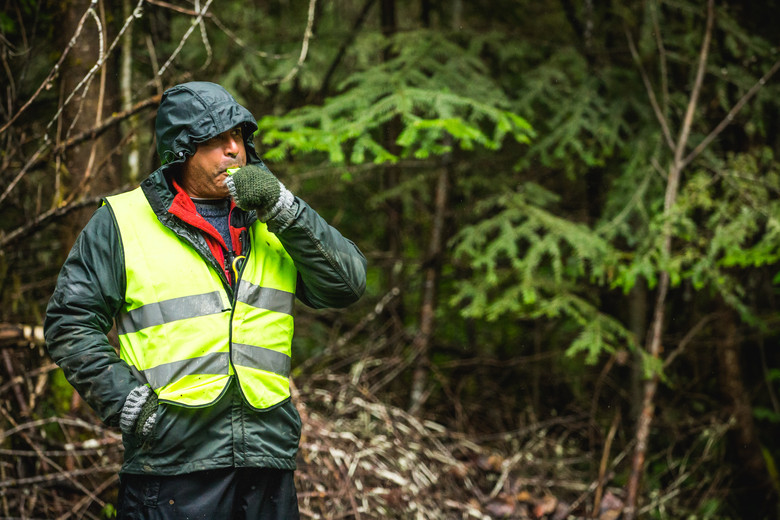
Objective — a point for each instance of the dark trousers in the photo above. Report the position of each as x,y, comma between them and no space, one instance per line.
230,494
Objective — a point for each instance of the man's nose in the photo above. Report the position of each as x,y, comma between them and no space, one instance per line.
231,146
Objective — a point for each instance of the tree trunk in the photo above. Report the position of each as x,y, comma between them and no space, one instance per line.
391,178
638,303
654,341
92,166
421,344
132,156
757,493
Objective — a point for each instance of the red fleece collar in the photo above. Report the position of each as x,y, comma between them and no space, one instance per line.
184,208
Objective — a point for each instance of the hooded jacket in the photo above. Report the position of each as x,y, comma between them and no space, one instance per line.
90,292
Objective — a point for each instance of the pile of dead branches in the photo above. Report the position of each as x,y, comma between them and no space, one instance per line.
360,457
52,464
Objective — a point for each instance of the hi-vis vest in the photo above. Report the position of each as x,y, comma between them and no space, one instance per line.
178,327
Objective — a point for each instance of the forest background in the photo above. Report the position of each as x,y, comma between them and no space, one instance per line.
570,212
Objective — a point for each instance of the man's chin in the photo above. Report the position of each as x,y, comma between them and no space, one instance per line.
219,181
222,193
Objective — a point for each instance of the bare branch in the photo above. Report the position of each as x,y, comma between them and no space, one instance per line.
53,72
688,338
45,217
656,329
343,49
89,497
241,43
195,22
685,130
155,66
304,47
88,77
92,133
99,129
63,475
23,171
101,95
204,37
651,93
662,58
17,388
732,113
176,8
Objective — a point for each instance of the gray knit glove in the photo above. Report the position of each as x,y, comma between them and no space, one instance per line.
254,187
139,412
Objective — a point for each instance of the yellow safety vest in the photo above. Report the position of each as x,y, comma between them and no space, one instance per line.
178,327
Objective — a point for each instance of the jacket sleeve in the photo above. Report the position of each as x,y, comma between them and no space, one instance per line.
331,268
89,292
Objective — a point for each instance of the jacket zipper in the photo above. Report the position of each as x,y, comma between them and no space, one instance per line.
237,278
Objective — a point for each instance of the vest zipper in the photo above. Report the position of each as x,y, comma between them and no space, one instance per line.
237,264
234,264
230,257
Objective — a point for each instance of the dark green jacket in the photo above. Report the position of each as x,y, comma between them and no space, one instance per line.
91,290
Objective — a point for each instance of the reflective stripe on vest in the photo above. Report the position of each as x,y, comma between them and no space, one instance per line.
179,330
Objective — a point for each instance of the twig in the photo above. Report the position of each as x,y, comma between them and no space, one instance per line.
101,446
659,41
47,461
597,392
656,329
604,460
61,475
45,217
107,123
342,50
650,93
99,108
195,22
204,38
155,66
431,275
83,83
86,500
23,171
241,43
54,71
17,387
304,47
88,77
506,467
17,333
60,420
42,370
685,130
732,113
350,334
688,338
182,10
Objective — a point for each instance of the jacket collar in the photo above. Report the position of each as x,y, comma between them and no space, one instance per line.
173,207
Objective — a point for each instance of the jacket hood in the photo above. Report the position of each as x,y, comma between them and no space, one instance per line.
194,112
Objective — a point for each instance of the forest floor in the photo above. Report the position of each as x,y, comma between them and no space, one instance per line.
359,457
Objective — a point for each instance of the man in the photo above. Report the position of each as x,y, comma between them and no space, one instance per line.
199,267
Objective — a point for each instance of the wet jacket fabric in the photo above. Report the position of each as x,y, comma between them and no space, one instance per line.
91,288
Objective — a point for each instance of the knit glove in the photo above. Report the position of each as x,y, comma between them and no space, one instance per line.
139,412
254,187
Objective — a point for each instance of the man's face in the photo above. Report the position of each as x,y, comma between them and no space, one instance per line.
203,174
